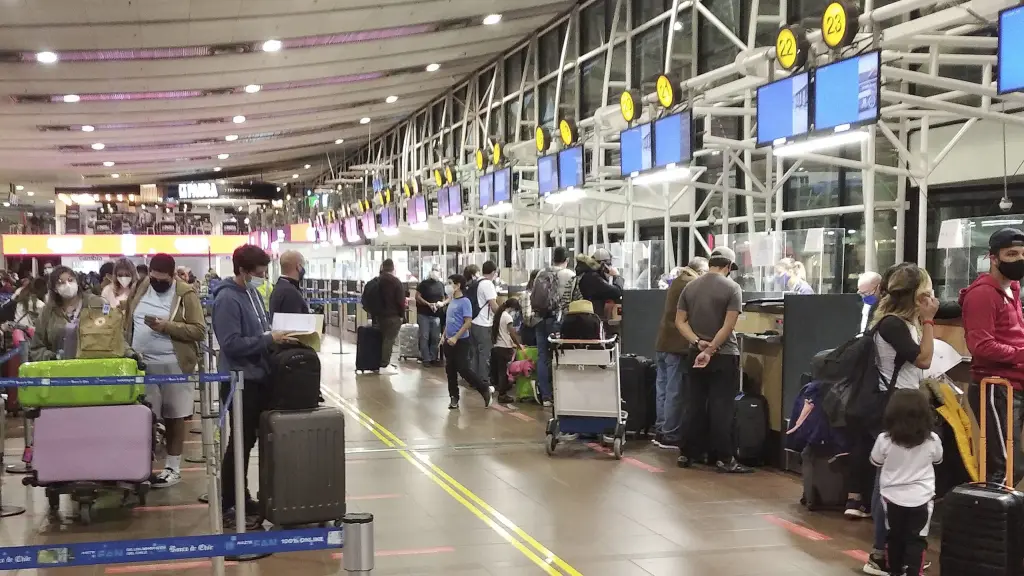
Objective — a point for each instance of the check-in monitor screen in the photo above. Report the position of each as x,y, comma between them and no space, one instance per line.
846,92
455,199
1011,50
442,203
783,109
673,138
570,168
547,174
636,150
486,190
503,185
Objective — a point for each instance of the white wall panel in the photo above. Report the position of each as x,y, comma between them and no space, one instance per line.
977,156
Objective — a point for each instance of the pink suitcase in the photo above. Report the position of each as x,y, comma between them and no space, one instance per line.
93,443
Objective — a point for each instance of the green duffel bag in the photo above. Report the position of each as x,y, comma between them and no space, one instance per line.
525,384
71,396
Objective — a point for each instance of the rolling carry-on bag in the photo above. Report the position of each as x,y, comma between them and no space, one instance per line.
302,466
824,476
369,341
68,396
637,376
409,342
983,523
93,443
294,377
750,428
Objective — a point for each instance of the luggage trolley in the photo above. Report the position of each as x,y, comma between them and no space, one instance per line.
587,392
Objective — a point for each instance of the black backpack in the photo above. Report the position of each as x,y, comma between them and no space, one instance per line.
294,377
371,299
850,377
470,292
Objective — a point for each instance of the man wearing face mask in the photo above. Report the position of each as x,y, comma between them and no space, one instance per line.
287,296
868,287
430,300
243,331
164,323
994,330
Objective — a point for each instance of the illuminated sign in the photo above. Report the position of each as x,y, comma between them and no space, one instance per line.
197,191
123,244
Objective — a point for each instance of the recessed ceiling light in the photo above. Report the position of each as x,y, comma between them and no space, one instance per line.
433,67
253,88
295,175
223,156
46,57
99,146
238,119
231,137
306,167
220,181
492,19
7,204
216,169
365,121
339,141
51,201
19,187
88,128
271,45
108,163
115,175
678,27
391,99
30,193
71,98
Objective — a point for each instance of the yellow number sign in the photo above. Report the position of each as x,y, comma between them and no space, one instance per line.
438,178
838,24
496,153
481,160
785,48
542,139
666,91
627,106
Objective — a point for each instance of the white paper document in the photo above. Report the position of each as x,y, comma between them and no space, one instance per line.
296,323
944,358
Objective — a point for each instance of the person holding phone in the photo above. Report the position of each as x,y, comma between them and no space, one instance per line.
164,323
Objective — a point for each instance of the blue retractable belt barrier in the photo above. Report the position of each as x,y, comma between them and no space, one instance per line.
10,354
208,300
165,549
115,380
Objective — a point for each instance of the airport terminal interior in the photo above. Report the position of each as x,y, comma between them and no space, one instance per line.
810,143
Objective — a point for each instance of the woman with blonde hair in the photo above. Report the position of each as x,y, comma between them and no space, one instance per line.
120,289
793,276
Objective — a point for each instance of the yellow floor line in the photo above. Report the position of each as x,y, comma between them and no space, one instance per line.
460,493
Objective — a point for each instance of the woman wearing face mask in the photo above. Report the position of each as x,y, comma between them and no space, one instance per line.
121,288
504,343
56,334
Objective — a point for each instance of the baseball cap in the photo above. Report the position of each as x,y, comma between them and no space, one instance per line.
602,255
725,252
1005,238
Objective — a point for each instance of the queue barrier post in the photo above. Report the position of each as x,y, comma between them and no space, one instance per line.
5,510
25,466
358,552
211,454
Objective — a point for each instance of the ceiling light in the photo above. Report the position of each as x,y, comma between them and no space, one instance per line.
99,146
71,98
120,198
231,137
220,181
46,57
107,197
51,201
271,45
306,166
216,169
88,128
492,19
433,67
7,204
678,26
364,121
339,141
295,175
30,193
108,163
391,99
223,156
131,197
238,119
253,88
115,175
835,140
19,187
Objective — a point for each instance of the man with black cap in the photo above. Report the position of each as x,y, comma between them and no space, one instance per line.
707,312
994,330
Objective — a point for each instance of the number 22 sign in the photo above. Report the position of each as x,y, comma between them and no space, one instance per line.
839,24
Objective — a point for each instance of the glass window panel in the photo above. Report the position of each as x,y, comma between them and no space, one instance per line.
648,56
550,50
483,84
526,129
510,120
567,100
514,71
591,84
547,101
596,24
438,116
459,104
644,10
813,185
682,45
716,48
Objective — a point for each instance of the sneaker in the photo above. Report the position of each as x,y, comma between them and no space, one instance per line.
488,397
505,399
547,404
877,565
733,467
659,441
169,477
684,462
253,522
856,510
563,437
390,370
454,404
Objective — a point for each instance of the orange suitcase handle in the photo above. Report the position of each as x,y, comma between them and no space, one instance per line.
982,418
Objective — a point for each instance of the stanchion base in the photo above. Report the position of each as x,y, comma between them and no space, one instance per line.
247,557
342,353
195,431
204,498
19,468
7,511
195,459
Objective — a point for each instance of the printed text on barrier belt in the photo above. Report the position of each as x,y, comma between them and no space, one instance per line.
168,549
116,380
313,301
10,354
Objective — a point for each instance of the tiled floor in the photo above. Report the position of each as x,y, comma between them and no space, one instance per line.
472,493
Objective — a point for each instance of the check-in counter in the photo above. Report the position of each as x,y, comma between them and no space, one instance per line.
759,331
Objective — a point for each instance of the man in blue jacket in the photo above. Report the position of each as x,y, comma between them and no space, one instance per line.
243,332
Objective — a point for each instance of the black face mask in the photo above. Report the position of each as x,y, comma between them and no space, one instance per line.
1012,270
160,286
302,274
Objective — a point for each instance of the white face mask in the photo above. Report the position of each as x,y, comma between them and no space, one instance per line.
47,270
67,289
435,275
449,289
124,281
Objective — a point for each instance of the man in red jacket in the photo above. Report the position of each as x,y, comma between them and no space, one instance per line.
994,328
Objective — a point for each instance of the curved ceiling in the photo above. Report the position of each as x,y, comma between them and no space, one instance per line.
160,83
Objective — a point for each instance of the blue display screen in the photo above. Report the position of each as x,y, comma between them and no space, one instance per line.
846,92
570,168
673,136
636,150
547,174
442,203
455,199
421,209
783,109
486,190
1011,50
369,223
502,185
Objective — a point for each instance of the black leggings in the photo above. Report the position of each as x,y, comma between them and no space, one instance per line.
456,363
500,359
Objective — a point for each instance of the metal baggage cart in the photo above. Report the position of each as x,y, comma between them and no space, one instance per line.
587,392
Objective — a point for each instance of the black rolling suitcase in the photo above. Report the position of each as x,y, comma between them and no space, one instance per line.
637,376
824,477
302,466
983,523
750,428
369,341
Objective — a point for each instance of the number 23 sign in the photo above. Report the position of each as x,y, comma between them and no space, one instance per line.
839,23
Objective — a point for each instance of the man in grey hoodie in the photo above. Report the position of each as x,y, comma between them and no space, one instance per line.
243,332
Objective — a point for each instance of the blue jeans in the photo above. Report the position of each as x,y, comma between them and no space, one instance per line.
430,337
544,328
878,515
669,397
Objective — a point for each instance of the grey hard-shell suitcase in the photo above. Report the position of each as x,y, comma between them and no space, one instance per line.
302,466
409,342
